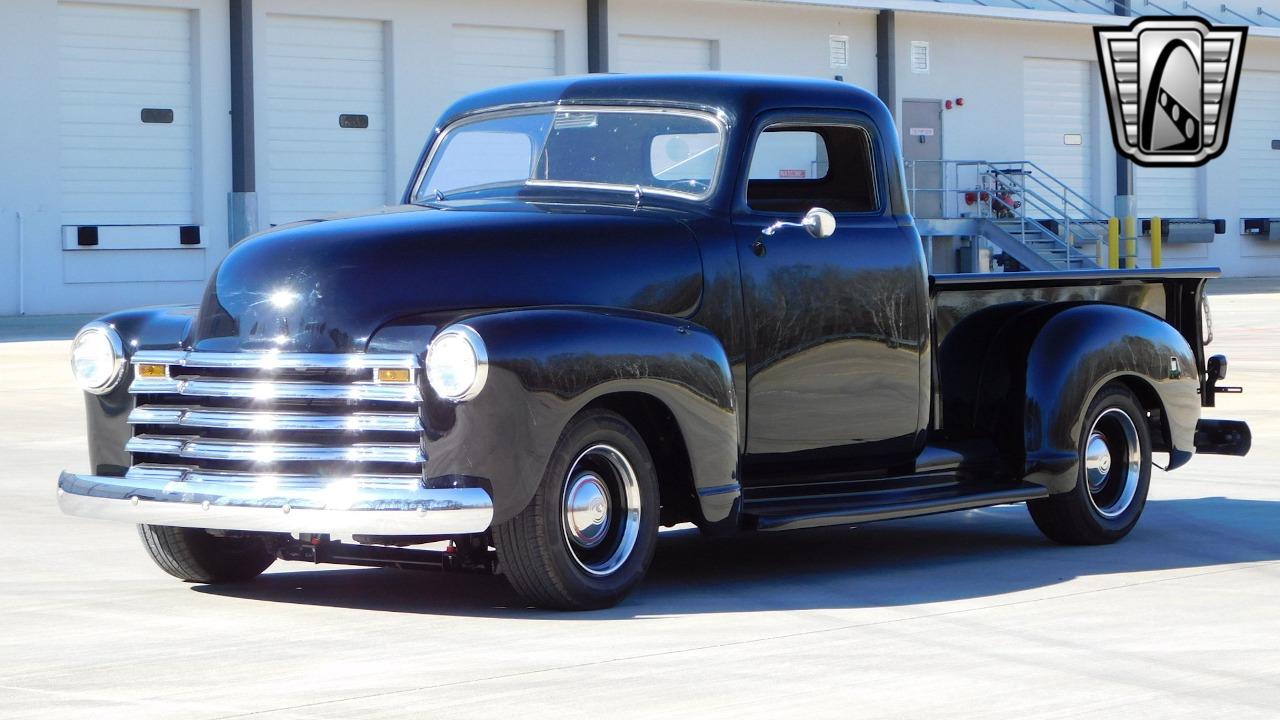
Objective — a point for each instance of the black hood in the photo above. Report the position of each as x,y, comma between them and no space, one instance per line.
327,286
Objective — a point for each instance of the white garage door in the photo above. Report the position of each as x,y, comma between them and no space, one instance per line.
1167,192
125,115
325,98
1056,116
649,54
486,57
1253,130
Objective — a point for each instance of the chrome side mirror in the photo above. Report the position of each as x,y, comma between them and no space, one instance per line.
820,223
817,222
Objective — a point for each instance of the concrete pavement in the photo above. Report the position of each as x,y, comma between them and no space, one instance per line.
970,615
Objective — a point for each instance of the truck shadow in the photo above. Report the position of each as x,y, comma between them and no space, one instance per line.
970,555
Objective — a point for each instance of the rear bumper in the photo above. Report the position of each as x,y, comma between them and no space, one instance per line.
1223,437
267,506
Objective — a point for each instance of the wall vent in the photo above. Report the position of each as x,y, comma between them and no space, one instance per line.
839,47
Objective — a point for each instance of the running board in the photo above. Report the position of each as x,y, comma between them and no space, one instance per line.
858,511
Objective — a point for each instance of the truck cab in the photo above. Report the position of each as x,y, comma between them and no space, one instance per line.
611,303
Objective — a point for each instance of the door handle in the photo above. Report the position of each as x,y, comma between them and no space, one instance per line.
759,248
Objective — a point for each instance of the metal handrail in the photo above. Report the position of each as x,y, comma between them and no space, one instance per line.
1071,199
1038,226
1079,220
1083,206
1044,204
1065,187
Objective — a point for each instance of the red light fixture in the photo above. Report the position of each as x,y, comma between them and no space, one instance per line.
947,105
959,102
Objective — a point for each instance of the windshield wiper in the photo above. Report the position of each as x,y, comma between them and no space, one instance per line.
453,193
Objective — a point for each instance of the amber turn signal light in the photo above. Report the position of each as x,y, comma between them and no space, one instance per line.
393,375
148,370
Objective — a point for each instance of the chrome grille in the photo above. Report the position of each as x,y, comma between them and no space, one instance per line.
301,419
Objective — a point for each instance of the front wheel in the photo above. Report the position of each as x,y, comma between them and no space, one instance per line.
1115,472
194,555
586,538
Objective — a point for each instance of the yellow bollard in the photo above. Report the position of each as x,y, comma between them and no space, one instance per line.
1157,235
1113,243
1130,242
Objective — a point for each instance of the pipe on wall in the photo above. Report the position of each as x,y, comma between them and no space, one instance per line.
22,256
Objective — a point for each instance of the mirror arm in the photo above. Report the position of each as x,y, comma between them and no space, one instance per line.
769,231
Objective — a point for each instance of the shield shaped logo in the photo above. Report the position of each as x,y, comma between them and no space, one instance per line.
1171,86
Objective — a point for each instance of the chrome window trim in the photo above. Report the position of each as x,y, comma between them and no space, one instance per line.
716,119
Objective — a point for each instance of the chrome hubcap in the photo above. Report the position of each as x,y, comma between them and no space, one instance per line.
601,510
1097,461
587,510
1112,462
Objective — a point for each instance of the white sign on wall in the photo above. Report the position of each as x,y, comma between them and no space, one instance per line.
919,56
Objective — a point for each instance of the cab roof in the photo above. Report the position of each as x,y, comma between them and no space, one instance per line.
737,97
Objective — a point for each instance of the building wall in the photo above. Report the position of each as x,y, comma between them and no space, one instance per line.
754,37
54,279
983,60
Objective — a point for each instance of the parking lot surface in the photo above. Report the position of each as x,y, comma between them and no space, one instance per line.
971,615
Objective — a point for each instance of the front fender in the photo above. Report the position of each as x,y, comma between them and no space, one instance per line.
547,364
1075,353
160,328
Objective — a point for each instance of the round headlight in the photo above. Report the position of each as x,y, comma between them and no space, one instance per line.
97,358
457,364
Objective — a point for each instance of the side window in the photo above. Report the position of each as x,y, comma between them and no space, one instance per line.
796,167
789,155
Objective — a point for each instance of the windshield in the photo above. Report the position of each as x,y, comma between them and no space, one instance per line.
674,152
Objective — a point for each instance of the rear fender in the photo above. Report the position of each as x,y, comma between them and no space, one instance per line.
1078,351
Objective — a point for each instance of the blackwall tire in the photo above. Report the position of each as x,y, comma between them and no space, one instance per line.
1115,474
588,536
196,556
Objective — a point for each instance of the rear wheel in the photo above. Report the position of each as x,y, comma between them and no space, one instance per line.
194,555
587,537
1115,472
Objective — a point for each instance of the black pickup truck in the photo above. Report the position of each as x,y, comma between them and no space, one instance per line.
611,303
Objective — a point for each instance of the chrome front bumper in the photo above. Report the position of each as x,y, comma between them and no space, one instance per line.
275,504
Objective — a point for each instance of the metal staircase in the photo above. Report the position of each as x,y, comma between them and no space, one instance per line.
1037,221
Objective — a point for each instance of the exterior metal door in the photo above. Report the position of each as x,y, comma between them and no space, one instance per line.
487,56
922,141
128,129
836,326
326,117
1057,98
